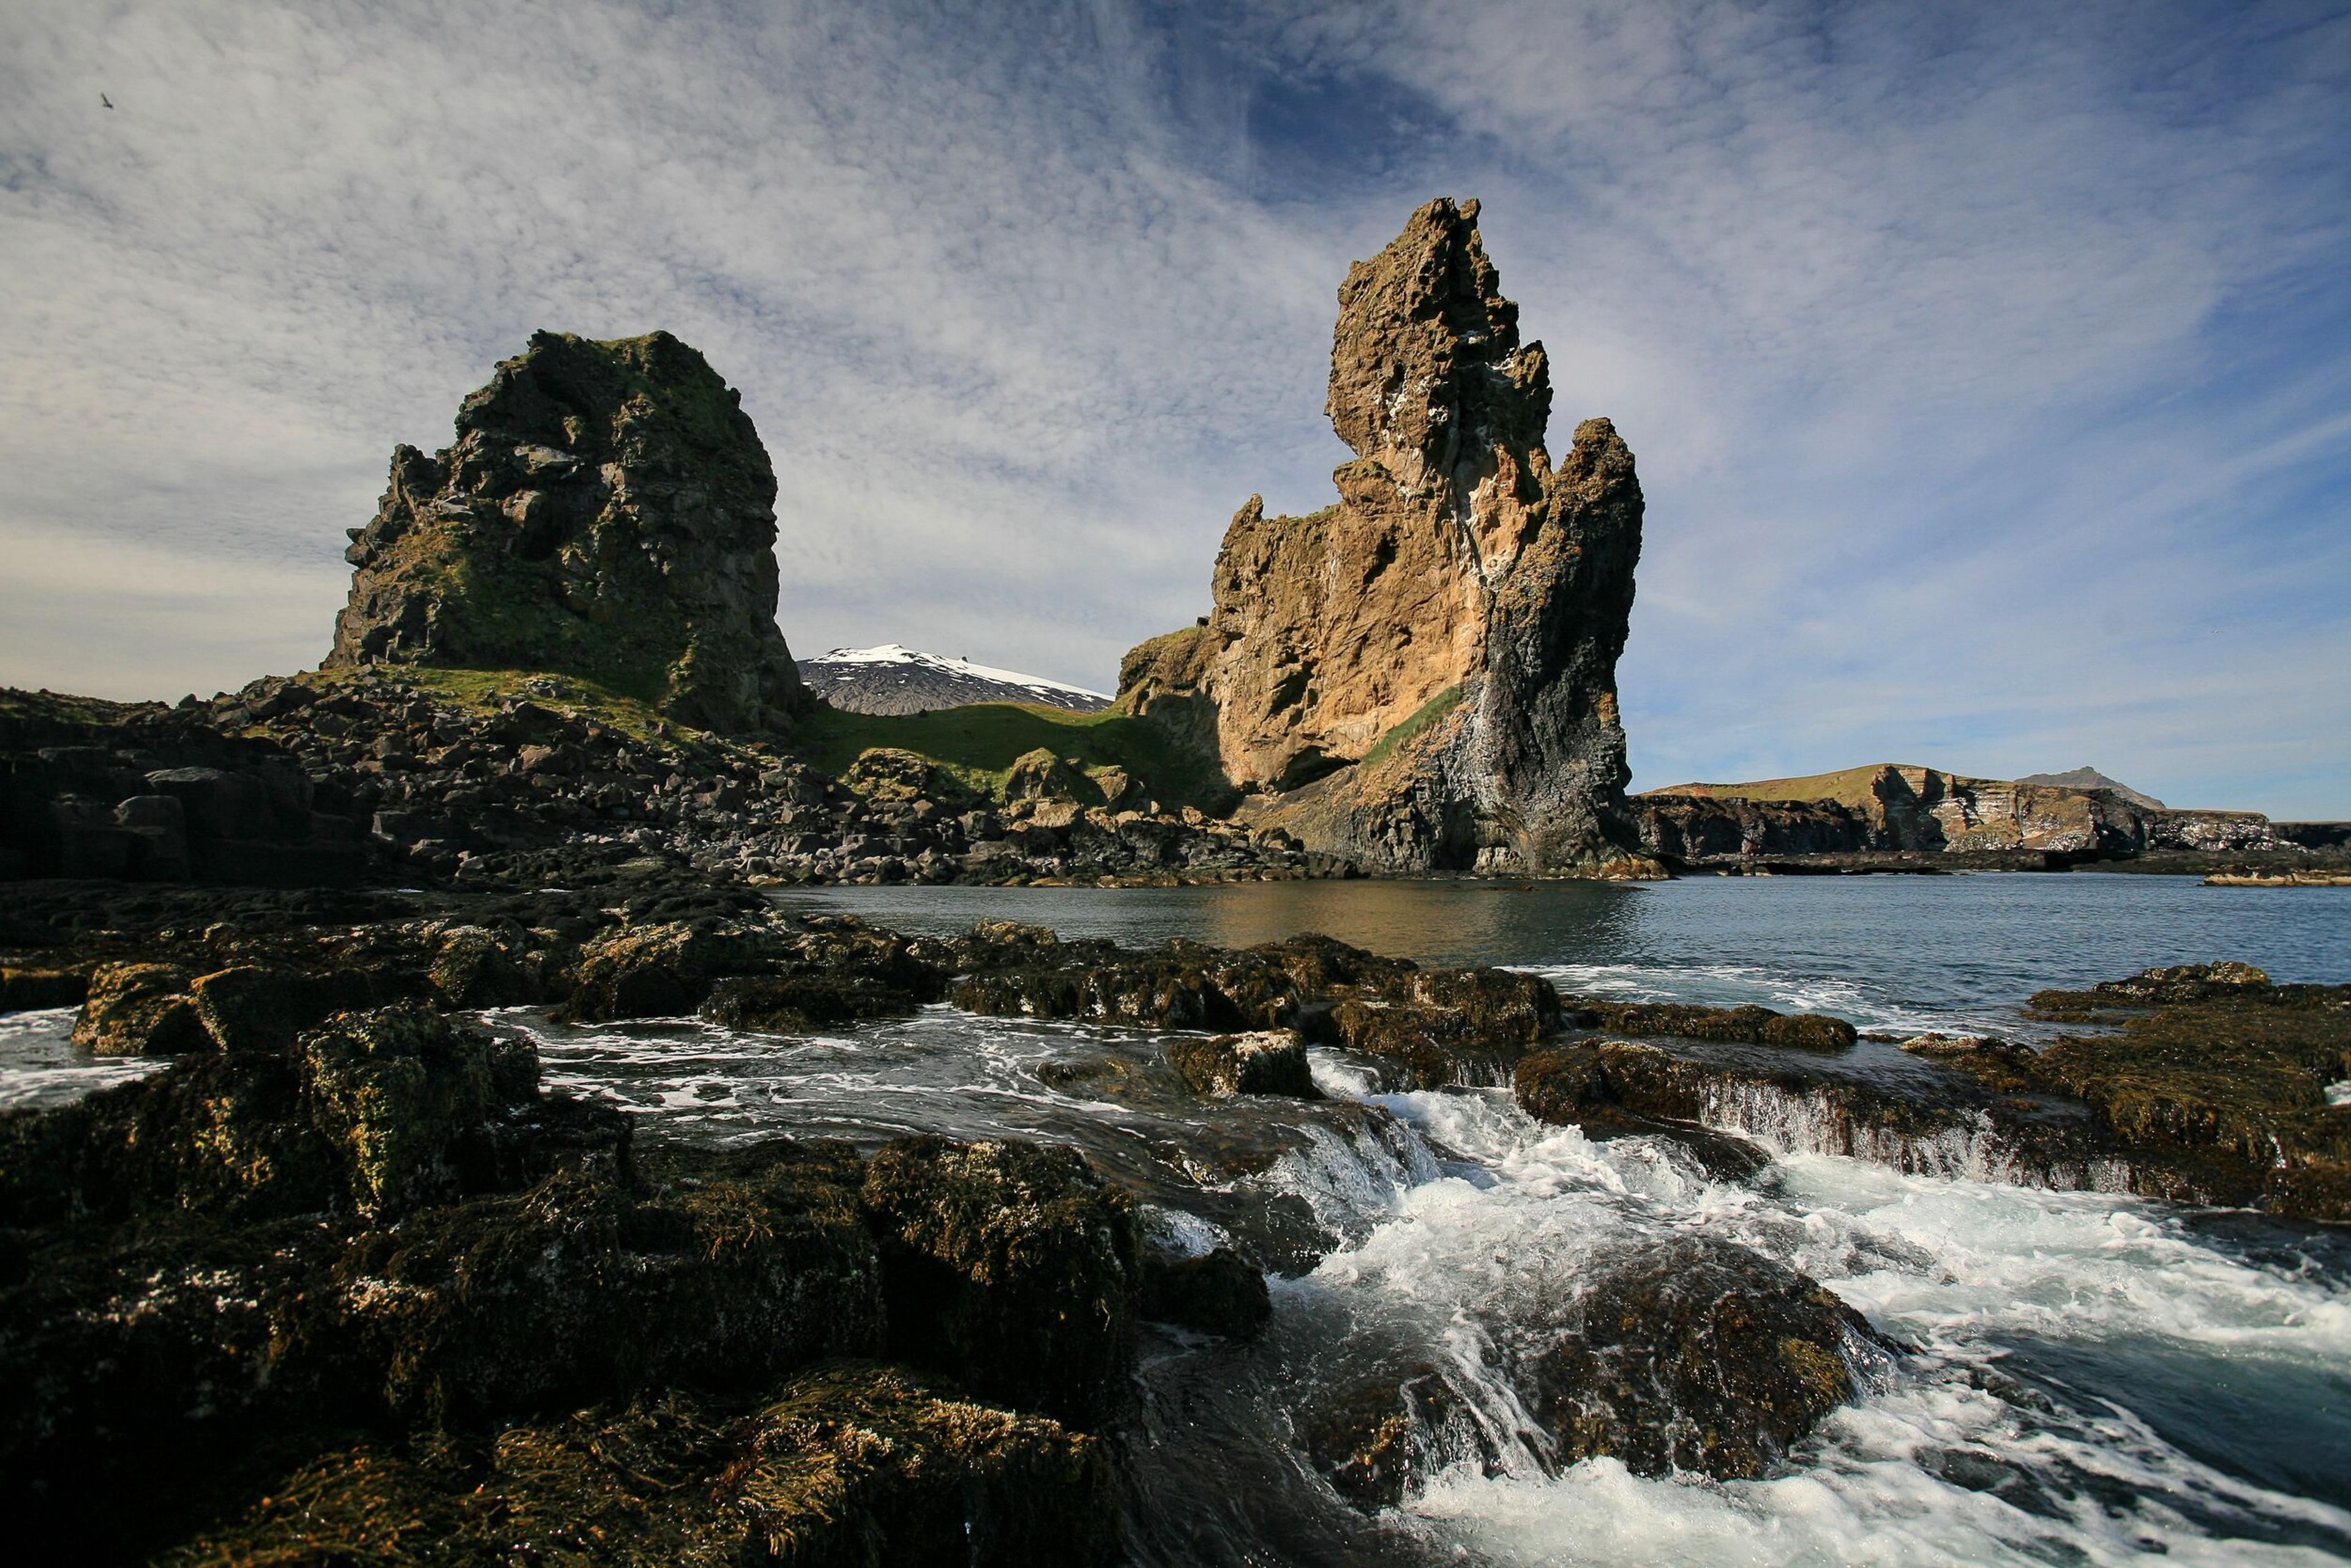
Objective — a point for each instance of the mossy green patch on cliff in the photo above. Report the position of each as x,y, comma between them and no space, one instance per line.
978,745
1403,733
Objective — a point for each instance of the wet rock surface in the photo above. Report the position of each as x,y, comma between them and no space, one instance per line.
1423,1026
369,1267
851,1463
2205,1083
1694,1354
1272,1062
344,1249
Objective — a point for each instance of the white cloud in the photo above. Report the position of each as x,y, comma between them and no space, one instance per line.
1950,343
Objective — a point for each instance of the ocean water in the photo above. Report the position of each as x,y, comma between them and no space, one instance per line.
2090,1379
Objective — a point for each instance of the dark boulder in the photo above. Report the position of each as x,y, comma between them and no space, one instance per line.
1694,1354
1271,1061
1218,1293
260,1007
140,1009
1010,1267
1748,1025
849,1464
581,1289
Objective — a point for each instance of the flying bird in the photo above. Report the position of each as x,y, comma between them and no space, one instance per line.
106,100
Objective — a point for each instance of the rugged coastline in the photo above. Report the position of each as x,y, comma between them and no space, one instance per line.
345,1214
346,1273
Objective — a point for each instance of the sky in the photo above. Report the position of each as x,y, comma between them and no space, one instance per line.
1988,366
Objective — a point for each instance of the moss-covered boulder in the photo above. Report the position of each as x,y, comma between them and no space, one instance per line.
1268,1062
1040,775
1749,1024
664,968
398,1094
1694,1354
1010,1266
862,1466
583,1289
889,775
140,1009
849,1465
266,1007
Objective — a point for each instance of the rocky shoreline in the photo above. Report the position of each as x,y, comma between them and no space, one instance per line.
343,1273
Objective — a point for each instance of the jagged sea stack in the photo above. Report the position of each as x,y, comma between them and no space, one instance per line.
607,511
1423,676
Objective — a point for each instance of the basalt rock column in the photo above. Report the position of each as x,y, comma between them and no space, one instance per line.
606,510
1423,675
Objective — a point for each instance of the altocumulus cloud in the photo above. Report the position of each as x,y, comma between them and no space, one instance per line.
1988,366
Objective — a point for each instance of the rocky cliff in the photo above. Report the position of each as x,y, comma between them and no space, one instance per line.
1423,675
1896,808
607,510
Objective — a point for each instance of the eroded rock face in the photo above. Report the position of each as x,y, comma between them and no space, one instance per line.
607,510
1423,675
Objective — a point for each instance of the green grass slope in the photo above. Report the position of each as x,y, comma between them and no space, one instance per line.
978,744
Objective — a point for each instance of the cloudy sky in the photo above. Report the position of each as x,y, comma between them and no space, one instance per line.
1989,366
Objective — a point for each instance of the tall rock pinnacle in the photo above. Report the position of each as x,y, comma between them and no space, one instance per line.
607,510
1423,676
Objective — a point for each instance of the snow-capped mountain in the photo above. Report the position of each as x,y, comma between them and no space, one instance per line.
894,679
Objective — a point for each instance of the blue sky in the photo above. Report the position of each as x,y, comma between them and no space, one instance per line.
1988,366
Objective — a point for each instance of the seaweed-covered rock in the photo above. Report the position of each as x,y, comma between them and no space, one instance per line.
794,1004
473,968
226,1136
1749,1024
147,1362
1271,1061
262,1007
370,1116
398,1093
1010,1267
1694,1354
1438,1026
140,1009
1568,1087
2185,982
1169,989
753,972
1384,1429
664,969
2219,1093
582,1290
866,1465
848,1465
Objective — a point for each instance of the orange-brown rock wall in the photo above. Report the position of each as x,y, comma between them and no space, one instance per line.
1423,675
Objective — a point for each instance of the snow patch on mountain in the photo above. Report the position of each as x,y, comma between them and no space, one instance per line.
896,679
